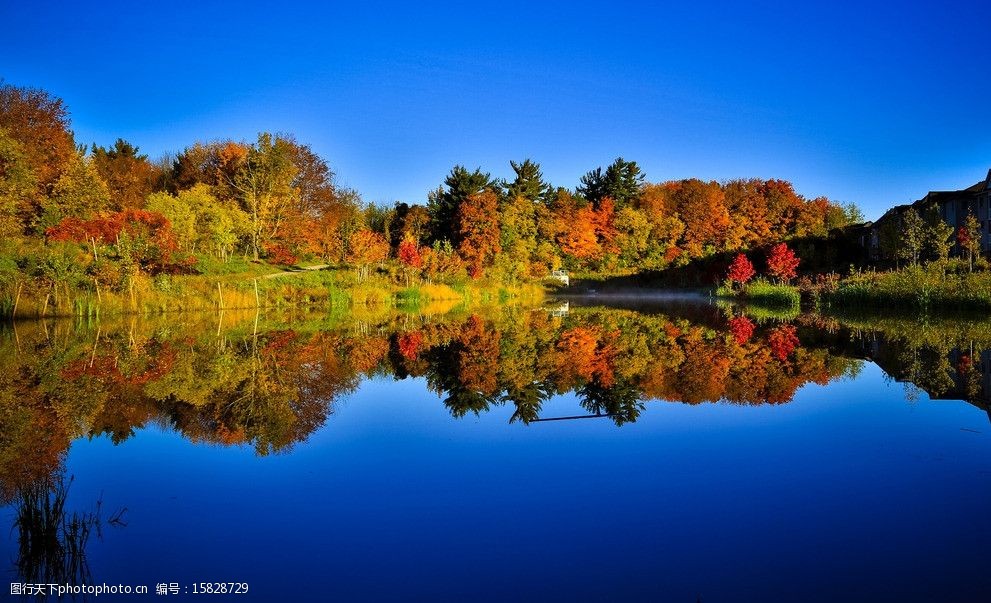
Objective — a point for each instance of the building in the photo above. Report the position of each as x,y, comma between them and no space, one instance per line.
953,206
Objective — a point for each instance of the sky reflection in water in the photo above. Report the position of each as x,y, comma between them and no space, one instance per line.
847,491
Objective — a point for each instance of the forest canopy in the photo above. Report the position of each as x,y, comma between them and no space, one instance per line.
275,200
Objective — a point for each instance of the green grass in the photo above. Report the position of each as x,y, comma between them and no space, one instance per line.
763,293
919,288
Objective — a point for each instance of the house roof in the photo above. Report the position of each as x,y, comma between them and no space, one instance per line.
938,196
973,189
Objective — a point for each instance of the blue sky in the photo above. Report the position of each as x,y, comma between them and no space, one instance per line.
857,101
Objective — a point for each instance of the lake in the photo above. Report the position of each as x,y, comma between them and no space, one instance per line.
677,451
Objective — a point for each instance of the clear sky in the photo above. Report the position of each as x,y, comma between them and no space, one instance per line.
874,103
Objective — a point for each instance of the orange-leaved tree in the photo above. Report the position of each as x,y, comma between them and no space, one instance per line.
366,248
477,222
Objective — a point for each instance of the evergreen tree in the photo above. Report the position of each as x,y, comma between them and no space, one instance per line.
529,182
622,181
443,204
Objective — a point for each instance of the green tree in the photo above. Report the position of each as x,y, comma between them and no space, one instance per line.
200,222
622,182
890,240
969,238
529,182
265,186
444,203
633,238
17,187
937,235
517,237
519,231
80,192
913,236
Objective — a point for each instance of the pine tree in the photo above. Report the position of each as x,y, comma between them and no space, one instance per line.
622,182
443,204
529,182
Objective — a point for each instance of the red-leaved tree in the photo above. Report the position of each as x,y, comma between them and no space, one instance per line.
783,341
151,240
742,329
409,253
782,263
741,270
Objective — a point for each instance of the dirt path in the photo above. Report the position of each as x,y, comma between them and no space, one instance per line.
317,267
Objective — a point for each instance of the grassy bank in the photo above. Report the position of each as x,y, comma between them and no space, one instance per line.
763,293
260,286
918,288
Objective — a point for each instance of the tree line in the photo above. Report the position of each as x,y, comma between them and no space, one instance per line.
915,236
275,199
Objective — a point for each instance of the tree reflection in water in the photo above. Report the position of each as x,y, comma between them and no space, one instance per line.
271,383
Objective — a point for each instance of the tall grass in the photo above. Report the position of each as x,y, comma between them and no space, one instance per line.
921,288
763,293
328,289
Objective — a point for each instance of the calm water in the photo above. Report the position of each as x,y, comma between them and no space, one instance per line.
697,454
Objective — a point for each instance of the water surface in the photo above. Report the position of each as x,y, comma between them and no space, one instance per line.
681,452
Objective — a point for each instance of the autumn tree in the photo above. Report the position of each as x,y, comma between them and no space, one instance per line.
39,122
128,174
740,270
313,181
574,228
264,183
443,204
667,226
409,255
409,221
784,204
751,221
969,238
477,221
328,234
742,329
366,248
701,207
782,263
139,238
